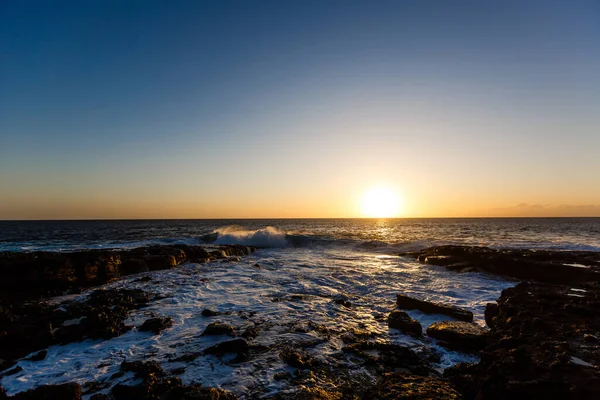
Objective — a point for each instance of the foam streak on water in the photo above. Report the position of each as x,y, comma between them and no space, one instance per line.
245,291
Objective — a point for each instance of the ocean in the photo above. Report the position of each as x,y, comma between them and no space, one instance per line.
286,288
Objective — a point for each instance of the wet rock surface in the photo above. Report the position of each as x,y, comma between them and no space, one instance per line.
33,326
28,325
394,386
238,346
428,307
40,274
218,328
156,325
539,265
539,346
157,385
459,335
403,322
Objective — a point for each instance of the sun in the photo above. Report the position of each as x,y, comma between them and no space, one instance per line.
380,202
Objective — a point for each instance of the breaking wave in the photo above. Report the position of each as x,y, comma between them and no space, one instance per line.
265,237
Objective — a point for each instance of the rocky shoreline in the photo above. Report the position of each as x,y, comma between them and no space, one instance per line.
543,339
31,275
539,265
28,324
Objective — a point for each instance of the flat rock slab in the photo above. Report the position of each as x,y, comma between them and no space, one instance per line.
428,307
459,335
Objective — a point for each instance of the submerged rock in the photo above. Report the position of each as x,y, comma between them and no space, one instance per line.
403,322
239,346
428,307
156,325
210,313
459,335
218,328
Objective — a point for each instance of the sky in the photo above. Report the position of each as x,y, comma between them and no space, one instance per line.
284,109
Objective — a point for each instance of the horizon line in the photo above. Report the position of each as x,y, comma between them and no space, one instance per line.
286,218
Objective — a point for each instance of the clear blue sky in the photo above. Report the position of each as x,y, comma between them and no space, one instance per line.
116,109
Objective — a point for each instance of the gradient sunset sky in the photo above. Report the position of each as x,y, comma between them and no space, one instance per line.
222,109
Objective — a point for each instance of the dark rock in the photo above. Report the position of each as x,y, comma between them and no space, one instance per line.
67,391
93,387
134,266
200,393
210,313
389,357
177,371
461,377
218,328
229,346
540,265
154,384
314,393
459,335
282,375
160,262
39,356
343,302
156,325
394,386
189,357
32,275
250,332
440,260
142,368
491,311
410,303
6,364
13,371
99,396
129,392
194,253
297,359
536,347
403,322
29,327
